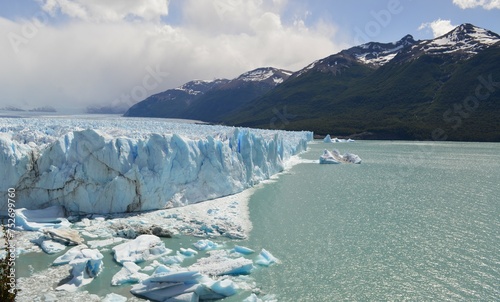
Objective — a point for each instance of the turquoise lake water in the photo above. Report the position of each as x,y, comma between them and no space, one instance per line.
416,221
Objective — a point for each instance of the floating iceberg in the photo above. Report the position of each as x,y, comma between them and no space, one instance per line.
76,252
189,252
50,246
224,287
34,220
334,157
114,298
128,274
65,235
328,139
131,165
205,245
83,270
144,247
328,158
265,258
220,263
243,250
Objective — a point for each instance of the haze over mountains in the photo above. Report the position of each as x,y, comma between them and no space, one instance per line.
447,88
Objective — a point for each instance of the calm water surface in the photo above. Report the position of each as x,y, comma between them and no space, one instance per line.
414,221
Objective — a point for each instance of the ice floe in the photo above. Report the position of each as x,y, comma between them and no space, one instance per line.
329,139
83,270
33,220
144,247
334,157
265,258
128,274
219,262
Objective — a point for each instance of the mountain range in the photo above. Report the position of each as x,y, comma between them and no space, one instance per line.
447,88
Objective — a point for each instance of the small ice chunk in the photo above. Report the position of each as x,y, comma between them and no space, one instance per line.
189,252
144,247
52,247
170,260
65,235
162,291
187,277
252,298
219,263
352,158
188,297
34,220
205,245
114,298
71,254
328,158
224,287
265,258
83,270
243,250
328,139
128,274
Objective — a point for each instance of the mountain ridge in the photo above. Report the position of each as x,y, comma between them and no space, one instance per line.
398,90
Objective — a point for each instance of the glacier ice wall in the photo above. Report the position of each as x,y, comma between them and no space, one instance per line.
93,166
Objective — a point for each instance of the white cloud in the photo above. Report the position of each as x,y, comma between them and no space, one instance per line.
439,27
486,4
86,61
109,10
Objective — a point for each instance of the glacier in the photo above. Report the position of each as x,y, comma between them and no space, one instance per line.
132,165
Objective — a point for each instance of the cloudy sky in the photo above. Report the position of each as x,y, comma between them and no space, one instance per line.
74,53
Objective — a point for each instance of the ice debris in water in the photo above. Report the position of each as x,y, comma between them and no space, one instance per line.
243,250
34,220
334,157
205,245
220,263
265,258
128,274
114,298
144,247
329,139
84,268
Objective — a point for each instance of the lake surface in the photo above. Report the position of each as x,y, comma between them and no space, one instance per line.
415,221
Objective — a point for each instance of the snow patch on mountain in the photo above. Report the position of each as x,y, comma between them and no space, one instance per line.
465,38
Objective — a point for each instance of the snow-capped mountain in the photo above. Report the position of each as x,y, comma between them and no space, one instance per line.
373,54
198,87
404,90
463,42
380,53
173,103
269,75
207,100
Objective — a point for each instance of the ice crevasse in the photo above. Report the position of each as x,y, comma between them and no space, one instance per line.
101,171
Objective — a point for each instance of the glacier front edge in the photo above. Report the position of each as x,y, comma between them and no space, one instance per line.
99,168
